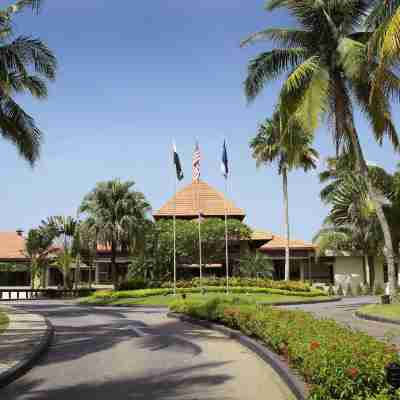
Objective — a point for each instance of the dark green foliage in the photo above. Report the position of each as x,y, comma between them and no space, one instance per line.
256,265
155,262
349,290
331,291
336,362
378,290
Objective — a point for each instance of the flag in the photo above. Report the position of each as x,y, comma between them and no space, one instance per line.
177,162
196,163
224,161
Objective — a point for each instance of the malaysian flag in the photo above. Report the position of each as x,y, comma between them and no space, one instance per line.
196,163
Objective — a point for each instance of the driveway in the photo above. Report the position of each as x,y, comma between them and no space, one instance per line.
344,312
109,353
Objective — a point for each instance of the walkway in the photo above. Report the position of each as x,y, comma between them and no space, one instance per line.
138,353
344,312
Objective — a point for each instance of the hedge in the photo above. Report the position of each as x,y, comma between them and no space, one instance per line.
297,286
336,361
129,294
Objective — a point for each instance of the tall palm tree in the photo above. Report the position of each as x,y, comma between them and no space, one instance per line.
119,214
26,64
284,141
327,60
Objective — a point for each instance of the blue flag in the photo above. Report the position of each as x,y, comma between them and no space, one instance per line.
224,161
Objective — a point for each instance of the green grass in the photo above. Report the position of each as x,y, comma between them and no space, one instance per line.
3,321
391,311
167,300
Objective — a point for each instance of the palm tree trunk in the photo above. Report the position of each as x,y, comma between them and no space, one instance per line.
388,249
286,203
371,262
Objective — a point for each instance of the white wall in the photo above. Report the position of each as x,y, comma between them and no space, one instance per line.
348,270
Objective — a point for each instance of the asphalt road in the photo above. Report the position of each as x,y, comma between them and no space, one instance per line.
138,353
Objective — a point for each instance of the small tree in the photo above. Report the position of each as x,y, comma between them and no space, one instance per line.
256,265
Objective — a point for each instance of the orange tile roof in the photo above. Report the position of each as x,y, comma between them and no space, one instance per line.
279,243
261,235
199,196
12,246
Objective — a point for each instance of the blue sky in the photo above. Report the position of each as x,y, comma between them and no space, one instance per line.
135,75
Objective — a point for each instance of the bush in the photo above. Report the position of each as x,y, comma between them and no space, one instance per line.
335,361
349,291
378,290
331,291
129,294
340,291
134,284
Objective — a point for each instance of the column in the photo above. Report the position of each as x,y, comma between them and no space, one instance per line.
96,274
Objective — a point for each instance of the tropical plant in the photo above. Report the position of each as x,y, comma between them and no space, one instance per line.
256,266
64,229
284,141
327,59
26,64
39,248
119,215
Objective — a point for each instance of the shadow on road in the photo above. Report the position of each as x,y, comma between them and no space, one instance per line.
193,383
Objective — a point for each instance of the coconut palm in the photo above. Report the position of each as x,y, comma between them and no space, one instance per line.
119,214
284,141
26,64
328,64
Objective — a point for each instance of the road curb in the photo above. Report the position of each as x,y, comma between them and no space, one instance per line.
29,361
367,317
295,384
300,302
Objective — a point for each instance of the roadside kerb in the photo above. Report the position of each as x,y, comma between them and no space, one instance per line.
295,384
25,360
374,318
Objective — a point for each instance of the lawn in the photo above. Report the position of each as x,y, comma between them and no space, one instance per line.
166,300
3,321
391,311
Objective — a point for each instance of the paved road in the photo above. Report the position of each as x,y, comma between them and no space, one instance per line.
138,353
344,312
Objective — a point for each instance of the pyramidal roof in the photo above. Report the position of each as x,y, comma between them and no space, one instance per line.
199,196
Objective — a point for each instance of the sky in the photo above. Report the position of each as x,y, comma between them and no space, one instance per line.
133,77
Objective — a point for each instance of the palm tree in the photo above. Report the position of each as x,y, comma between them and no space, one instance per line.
284,141
38,248
25,66
327,60
119,214
65,229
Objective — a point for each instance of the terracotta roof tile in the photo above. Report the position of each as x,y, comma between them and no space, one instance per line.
279,243
199,196
261,235
11,246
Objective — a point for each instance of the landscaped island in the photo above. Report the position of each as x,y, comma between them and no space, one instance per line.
385,311
335,361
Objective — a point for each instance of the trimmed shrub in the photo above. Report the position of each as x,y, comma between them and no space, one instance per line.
378,290
349,290
336,361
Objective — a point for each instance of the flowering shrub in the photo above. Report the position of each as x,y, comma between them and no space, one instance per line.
296,286
129,294
337,362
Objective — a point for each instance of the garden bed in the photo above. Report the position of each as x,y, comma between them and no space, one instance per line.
381,312
164,296
335,361
4,321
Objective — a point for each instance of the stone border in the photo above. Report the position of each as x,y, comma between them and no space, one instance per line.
10,375
374,318
295,384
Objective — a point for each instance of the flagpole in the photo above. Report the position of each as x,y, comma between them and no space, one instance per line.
174,222
226,238
200,256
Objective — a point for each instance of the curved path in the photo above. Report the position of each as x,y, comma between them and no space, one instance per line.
138,353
